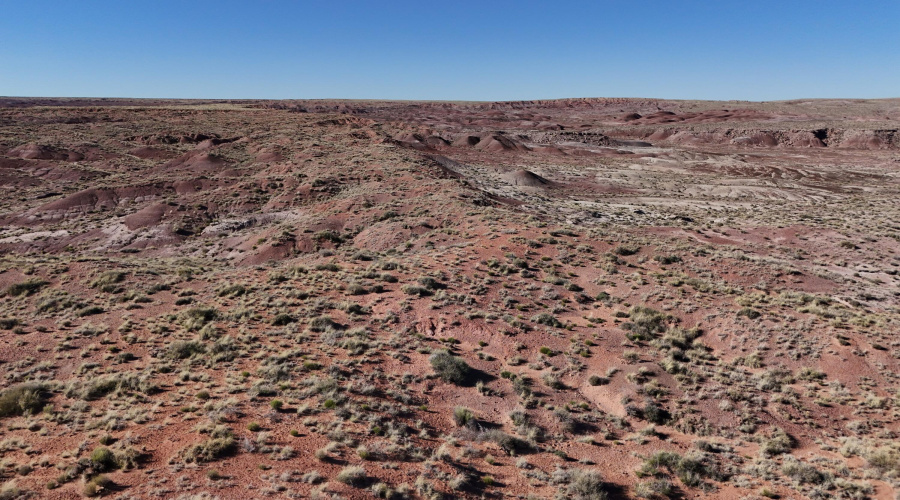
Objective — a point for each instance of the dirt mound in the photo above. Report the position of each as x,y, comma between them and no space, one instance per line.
447,167
421,140
498,142
549,126
382,236
148,216
661,117
149,153
32,151
467,140
269,157
526,178
660,134
196,162
436,142
101,198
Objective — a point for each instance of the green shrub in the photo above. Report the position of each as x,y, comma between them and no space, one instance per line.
282,319
659,460
655,488
779,442
89,311
103,460
196,318
803,473
328,266
586,485
884,459
811,374
667,259
690,469
645,324
430,283
510,444
450,368
107,279
552,381
352,475
220,443
95,388
233,291
654,413
322,323
9,491
184,349
97,485
463,416
521,385
28,287
416,290
8,323
460,482
548,319
22,399
328,235
626,250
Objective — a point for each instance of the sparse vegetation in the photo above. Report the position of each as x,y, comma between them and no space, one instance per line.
305,290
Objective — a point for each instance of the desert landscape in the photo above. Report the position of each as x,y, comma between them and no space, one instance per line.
572,299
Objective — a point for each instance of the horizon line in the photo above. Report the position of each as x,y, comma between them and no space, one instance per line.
442,100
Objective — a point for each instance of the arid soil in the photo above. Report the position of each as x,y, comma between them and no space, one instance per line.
584,299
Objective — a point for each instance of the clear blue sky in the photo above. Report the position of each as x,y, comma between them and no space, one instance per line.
450,49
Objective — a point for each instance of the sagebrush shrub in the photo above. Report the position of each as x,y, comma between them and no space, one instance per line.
450,368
